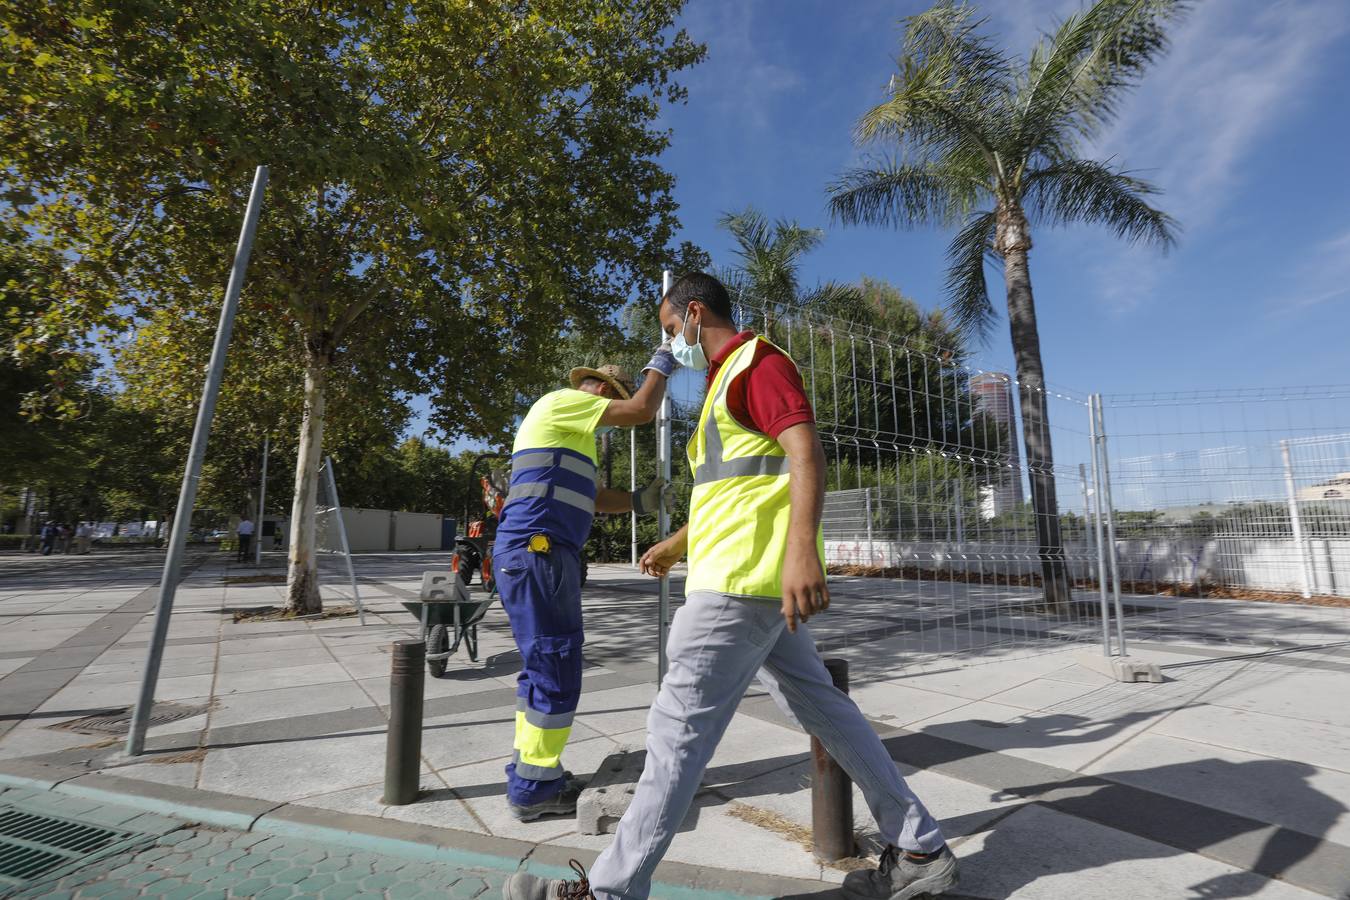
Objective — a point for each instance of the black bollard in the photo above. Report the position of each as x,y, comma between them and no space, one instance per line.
831,791
403,750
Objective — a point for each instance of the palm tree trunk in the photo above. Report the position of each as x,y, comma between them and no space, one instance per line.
302,579
1014,243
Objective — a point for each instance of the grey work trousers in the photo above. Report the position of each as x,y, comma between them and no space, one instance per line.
717,644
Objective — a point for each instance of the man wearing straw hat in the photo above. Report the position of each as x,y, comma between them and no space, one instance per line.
537,555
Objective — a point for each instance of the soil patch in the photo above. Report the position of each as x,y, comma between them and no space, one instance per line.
254,579
798,834
280,614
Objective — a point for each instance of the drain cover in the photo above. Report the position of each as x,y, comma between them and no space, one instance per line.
118,721
33,845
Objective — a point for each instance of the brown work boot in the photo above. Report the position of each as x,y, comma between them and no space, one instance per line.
524,886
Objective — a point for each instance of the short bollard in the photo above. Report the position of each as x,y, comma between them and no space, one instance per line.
403,750
831,791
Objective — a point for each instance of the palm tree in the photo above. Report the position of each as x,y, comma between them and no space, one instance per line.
991,143
770,257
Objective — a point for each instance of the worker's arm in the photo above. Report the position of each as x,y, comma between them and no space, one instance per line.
608,500
643,502
642,408
660,558
804,590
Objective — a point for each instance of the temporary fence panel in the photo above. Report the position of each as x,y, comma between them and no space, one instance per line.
330,534
1232,515
944,541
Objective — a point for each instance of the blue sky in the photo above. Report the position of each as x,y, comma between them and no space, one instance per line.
1244,126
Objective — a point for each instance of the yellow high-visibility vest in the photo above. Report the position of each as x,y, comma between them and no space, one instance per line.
738,514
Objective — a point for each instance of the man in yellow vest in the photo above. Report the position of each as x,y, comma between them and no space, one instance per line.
755,575
537,557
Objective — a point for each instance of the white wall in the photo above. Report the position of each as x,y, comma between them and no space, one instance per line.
416,531
1271,564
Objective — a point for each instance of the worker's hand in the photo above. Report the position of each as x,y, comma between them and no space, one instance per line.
663,361
647,500
804,590
662,557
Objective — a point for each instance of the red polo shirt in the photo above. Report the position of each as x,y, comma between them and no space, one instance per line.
769,396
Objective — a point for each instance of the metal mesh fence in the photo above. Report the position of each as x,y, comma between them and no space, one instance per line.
944,536
1232,515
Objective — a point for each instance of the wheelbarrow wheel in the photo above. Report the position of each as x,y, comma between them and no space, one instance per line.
438,641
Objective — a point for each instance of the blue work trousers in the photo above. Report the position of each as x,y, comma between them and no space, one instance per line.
541,593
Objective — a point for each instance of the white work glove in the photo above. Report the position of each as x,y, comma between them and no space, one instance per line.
647,500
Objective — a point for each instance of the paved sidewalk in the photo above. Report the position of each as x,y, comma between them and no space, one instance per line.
136,854
1230,780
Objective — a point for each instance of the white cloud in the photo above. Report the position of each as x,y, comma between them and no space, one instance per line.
1233,77
737,80
1322,276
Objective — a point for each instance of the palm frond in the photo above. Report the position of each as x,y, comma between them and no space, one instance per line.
952,92
770,254
905,196
1077,77
1088,191
967,289
837,299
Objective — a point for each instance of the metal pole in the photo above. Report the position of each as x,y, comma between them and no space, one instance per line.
867,511
1101,544
187,495
342,533
632,484
831,790
403,742
262,504
1113,556
663,520
663,514
1300,543
1087,506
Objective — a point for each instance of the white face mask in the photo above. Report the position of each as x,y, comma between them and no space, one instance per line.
602,430
691,356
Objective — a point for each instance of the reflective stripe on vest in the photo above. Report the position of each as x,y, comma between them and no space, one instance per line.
552,492
739,511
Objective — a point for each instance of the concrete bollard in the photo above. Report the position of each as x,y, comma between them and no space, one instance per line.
403,748
831,791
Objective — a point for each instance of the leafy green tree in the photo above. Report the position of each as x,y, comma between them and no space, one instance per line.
991,143
454,183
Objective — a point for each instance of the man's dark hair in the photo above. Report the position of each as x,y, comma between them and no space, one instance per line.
701,287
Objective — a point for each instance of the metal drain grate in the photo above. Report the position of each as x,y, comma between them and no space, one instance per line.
118,721
33,845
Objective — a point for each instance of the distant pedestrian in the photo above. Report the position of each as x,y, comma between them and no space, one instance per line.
48,538
64,536
244,531
84,538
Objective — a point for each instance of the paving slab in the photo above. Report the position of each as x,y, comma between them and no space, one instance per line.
1039,854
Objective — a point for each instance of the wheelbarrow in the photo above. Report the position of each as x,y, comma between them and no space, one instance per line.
446,605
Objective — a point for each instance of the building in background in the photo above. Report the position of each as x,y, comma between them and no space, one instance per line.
1001,491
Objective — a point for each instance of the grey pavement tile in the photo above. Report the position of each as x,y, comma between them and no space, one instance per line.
1042,693
119,673
436,805
287,770
283,644
287,702
1300,740
250,662
91,692
1297,694
899,704
266,678
1295,795
9,665
1039,854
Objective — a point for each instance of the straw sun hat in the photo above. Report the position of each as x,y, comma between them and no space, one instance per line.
615,376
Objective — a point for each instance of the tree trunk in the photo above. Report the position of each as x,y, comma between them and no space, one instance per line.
302,580
1013,242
